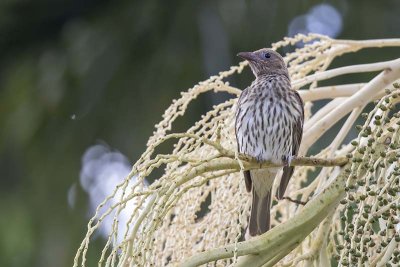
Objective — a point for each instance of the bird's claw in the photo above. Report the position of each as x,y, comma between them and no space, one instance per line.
288,160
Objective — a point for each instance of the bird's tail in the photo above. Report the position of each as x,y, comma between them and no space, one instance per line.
262,181
260,214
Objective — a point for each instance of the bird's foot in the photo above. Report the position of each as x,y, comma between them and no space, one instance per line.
259,159
299,202
288,160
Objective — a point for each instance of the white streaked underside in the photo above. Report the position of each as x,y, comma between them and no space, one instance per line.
264,128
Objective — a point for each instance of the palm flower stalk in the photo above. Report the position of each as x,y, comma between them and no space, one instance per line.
197,211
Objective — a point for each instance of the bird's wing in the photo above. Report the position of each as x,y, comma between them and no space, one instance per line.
297,134
247,176
247,180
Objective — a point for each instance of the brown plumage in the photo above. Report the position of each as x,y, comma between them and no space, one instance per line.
269,127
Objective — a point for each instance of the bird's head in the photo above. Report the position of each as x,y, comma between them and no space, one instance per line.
265,62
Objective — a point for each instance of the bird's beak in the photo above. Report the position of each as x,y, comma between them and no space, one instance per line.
249,56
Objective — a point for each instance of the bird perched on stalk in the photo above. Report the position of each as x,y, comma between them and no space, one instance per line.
269,127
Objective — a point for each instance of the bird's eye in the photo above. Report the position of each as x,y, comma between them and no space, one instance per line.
267,55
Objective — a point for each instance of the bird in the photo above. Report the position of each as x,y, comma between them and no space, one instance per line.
268,127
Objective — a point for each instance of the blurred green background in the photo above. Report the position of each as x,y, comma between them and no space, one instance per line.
75,73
